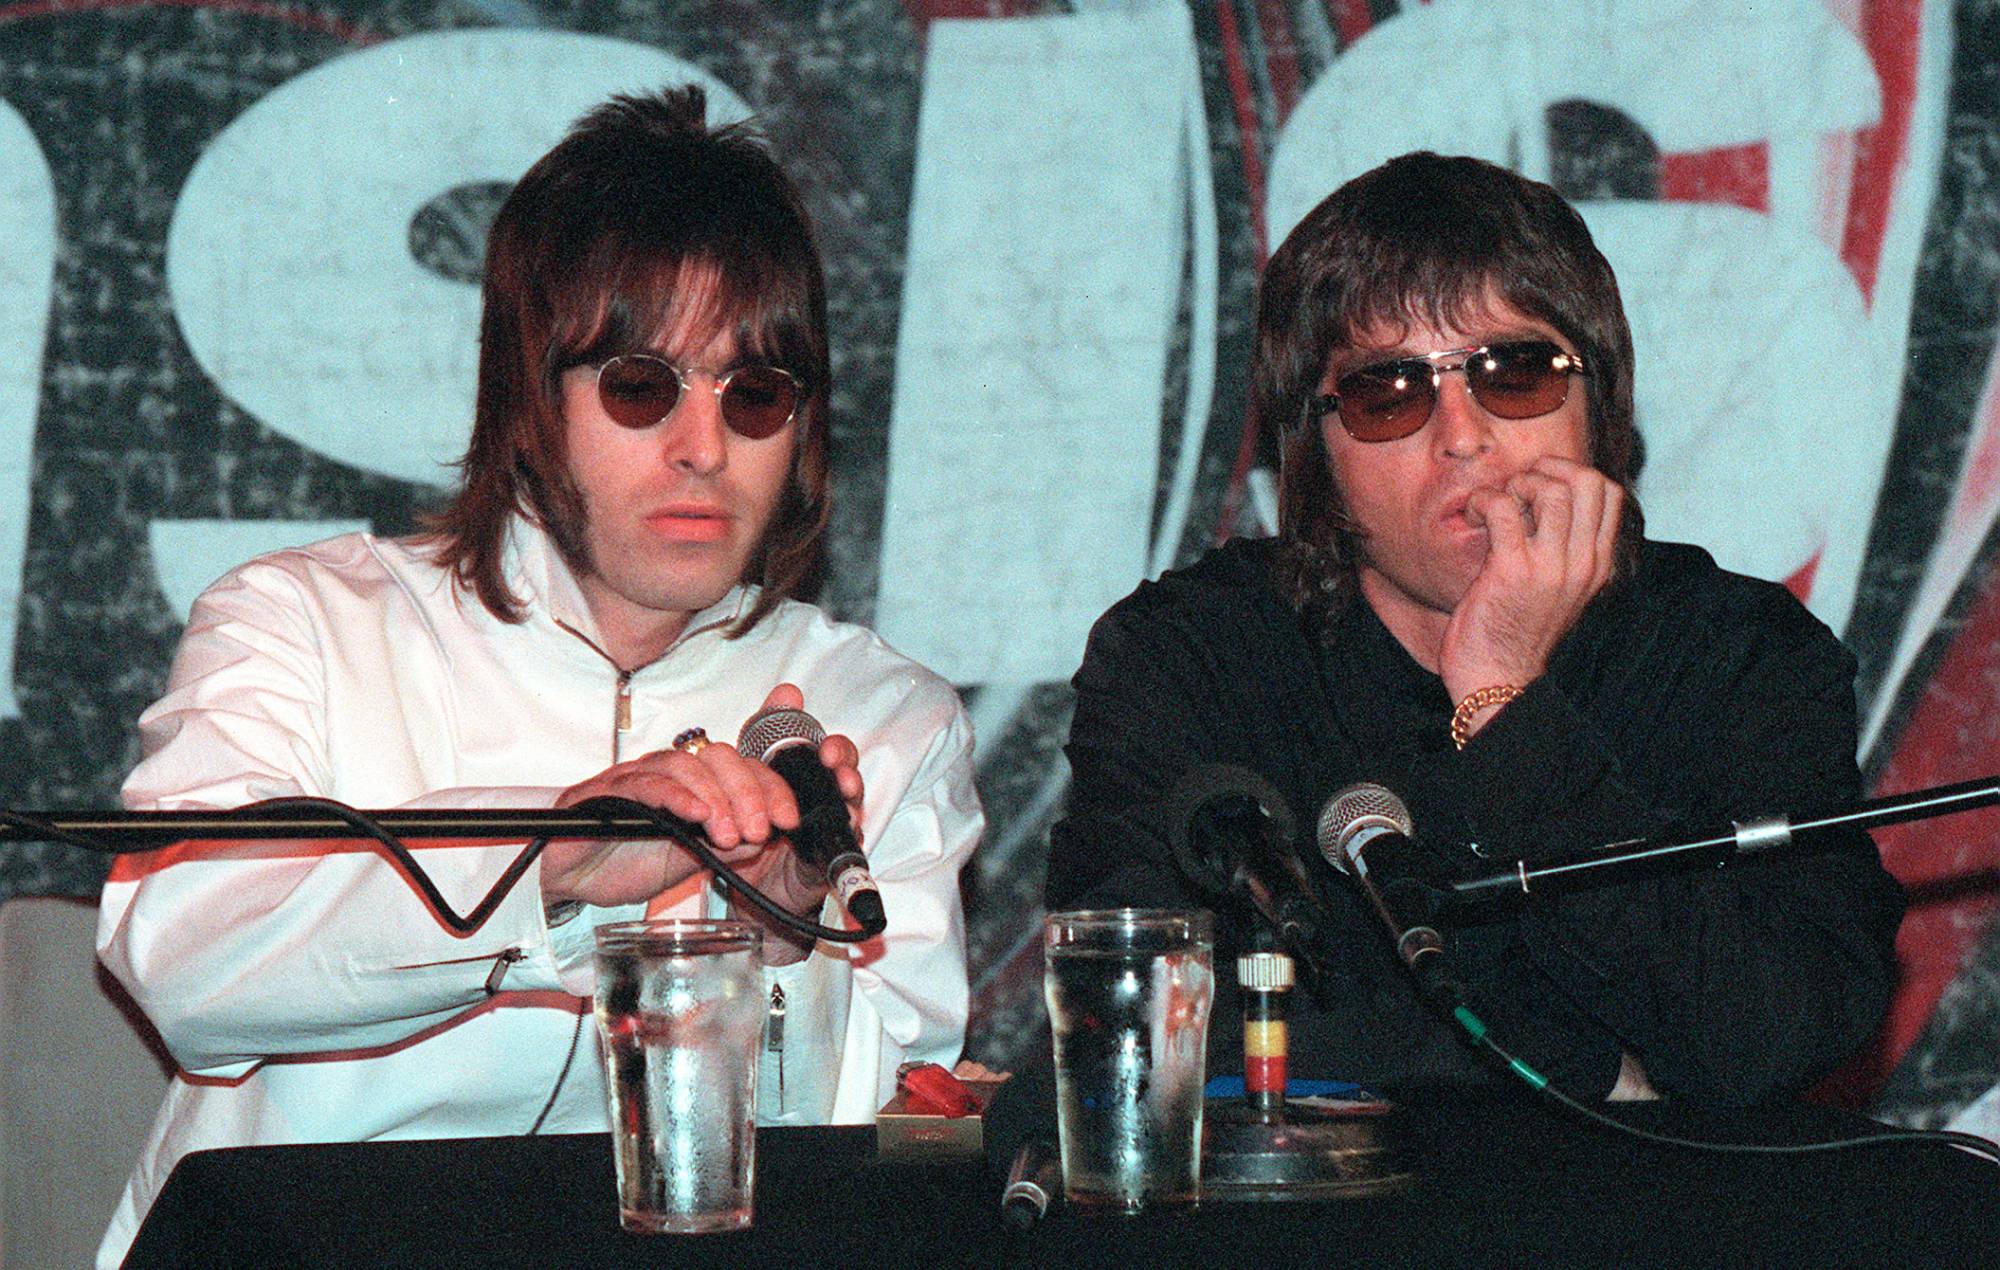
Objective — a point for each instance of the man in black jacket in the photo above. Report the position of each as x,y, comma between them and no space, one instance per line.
1460,605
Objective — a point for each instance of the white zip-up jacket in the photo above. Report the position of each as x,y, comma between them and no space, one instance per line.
306,991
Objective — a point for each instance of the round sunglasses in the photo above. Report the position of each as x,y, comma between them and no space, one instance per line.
638,390
1515,379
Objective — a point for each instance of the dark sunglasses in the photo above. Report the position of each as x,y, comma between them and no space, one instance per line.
637,390
1519,379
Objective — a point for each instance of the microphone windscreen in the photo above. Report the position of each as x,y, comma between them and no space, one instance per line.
768,730
1214,788
1362,805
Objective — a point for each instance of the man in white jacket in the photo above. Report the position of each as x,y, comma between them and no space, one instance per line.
645,492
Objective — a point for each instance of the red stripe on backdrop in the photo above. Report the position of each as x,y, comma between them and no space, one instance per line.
925,11
1249,131
1948,864
1800,583
1281,58
1890,30
1248,128
1731,174
1352,19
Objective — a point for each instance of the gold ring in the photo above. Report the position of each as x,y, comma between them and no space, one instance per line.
692,741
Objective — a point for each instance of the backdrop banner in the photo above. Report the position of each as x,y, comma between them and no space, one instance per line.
239,305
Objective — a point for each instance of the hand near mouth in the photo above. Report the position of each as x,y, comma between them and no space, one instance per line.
1552,533
1502,501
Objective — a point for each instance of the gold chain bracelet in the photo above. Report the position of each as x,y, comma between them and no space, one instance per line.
1461,718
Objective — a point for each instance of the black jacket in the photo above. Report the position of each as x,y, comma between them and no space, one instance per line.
1685,697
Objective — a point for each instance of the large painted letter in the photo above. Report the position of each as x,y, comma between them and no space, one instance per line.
1047,242
289,261
27,280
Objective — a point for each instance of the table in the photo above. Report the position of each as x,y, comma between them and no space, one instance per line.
1502,1180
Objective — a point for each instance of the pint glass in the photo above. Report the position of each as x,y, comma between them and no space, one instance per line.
1128,994
680,1011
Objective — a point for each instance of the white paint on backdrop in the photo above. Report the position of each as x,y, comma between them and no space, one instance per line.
1758,375
1047,235
27,280
289,259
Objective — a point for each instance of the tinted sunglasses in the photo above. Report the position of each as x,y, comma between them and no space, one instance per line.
1517,379
637,390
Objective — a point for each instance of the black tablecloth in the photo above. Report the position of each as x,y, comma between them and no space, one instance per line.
1500,1181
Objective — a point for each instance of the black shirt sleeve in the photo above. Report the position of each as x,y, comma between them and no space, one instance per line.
1733,984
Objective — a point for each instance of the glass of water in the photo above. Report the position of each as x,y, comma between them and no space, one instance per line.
1129,992
680,1013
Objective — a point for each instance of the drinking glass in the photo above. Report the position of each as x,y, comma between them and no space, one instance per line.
680,1011
1129,992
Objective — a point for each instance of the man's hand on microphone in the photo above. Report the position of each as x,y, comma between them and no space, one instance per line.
742,805
1553,535
778,871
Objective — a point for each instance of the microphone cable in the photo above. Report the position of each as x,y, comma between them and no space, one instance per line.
1366,806
671,827
1978,1146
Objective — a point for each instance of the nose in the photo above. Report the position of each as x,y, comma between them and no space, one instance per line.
1460,426
695,439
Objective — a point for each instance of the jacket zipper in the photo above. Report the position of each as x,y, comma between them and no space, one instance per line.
774,1039
621,721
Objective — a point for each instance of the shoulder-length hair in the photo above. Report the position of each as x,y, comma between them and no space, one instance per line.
1428,238
641,220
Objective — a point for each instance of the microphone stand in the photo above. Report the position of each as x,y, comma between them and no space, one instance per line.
280,819
126,832
1746,839
1262,1147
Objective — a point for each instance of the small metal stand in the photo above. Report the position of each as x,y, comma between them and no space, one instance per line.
1261,1147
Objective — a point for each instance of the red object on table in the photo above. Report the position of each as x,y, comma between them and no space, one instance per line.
934,1091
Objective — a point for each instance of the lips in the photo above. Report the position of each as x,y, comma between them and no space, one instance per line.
1452,512
689,522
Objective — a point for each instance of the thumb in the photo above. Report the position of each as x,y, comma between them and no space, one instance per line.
785,697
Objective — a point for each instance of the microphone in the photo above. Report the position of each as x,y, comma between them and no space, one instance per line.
1232,835
788,741
1032,1182
1365,832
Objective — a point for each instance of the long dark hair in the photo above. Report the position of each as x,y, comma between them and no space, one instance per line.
1424,237
590,256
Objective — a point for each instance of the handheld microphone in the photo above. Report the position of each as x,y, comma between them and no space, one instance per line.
788,741
1033,1183
1365,831
1232,835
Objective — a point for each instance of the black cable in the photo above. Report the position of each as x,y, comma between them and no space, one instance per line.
399,853
687,836
1978,1146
